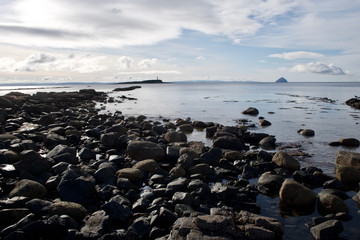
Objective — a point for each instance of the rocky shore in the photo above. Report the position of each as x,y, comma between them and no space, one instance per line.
68,172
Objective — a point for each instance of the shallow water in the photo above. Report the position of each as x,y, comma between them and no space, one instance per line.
288,107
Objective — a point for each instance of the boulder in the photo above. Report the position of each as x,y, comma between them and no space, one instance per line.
331,204
251,111
349,142
296,195
229,142
133,174
268,143
347,175
95,226
141,150
264,123
307,132
173,136
74,210
346,158
147,165
32,162
282,159
270,183
28,188
327,230
186,128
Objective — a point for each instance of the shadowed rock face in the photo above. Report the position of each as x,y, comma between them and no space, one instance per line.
354,102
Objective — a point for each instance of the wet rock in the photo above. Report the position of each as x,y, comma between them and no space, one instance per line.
28,188
173,136
106,175
109,139
53,140
249,172
186,128
327,230
251,111
346,158
61,149
335,192
268,143
182,198
328,204
133,174
141,150
202,168
334,184
349,142
233,155
307,132
177,172
11,156
264,123
185,161
270,183
72,209
282,159
295,195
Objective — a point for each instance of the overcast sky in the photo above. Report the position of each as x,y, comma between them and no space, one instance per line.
120,40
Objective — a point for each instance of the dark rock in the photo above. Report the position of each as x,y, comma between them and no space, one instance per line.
140,229
116,211
269,183
353,102
327,230
18,225
53,140
229,142
95,226
264,123
249,172
173,136
268,143
38,206
28,188
12,216
328,203
251,111
32,162
86,154
307,132
106,175
296,195
74,210
334,184
282,159
349,142
133,174
141,150
182,198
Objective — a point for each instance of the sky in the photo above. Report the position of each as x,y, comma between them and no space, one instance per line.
53,41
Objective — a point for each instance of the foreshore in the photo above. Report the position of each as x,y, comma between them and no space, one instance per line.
68,172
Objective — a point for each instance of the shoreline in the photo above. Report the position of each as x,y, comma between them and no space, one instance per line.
68,145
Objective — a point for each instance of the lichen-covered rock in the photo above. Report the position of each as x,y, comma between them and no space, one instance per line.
28,188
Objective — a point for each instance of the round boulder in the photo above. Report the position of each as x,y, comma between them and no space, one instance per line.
296,195
28,188
307,132
173,136
148,165
133,174
282,159
74,210
349,142
251,111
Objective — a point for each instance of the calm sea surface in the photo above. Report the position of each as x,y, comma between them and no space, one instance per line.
288,106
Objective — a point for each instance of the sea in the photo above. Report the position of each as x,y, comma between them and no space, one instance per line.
288,106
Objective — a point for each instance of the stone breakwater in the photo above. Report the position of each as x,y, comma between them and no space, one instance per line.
68,172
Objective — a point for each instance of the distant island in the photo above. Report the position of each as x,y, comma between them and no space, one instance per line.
281,80
143,81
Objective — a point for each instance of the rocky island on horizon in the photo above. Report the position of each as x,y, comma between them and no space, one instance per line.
281,80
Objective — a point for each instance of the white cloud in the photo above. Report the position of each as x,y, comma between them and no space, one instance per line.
319,67
200,58
297,55
148,63
38,62
125,62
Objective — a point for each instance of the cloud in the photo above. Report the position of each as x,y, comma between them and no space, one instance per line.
125,62
297,55
319,67
39,61
200,58
148,63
